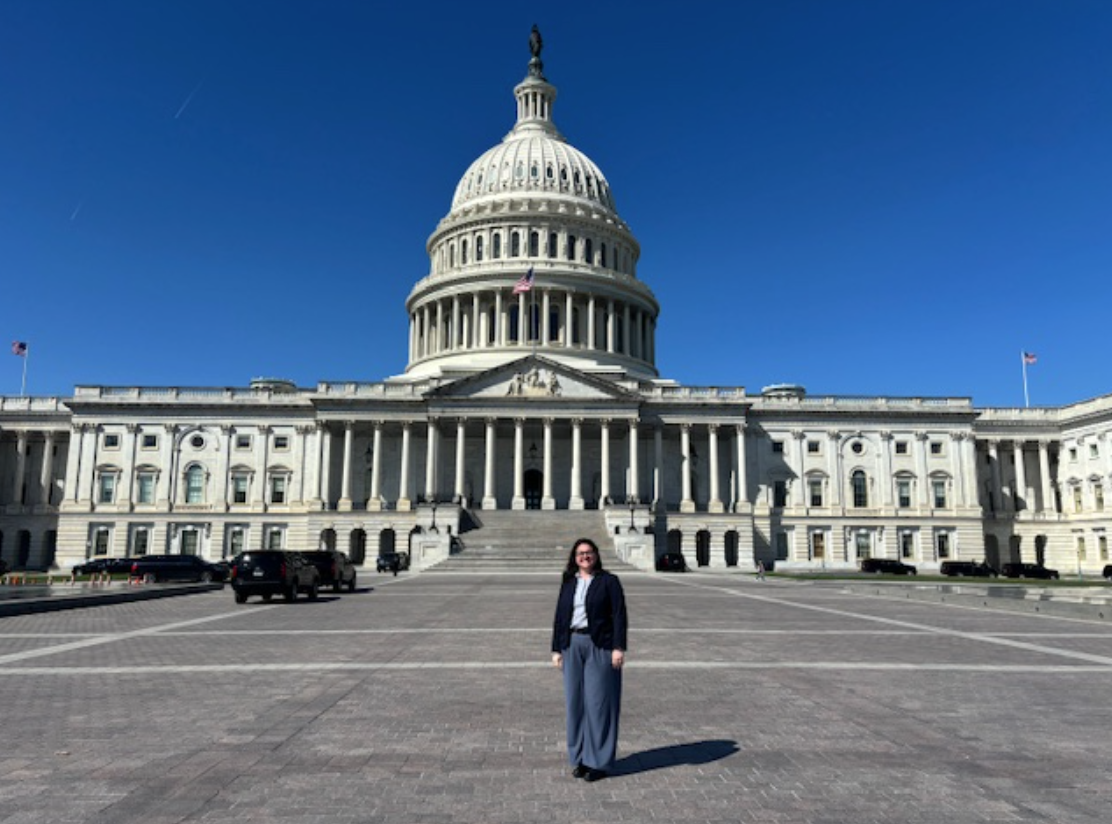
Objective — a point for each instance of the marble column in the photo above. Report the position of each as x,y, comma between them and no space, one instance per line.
576,499
922,446
461,440
1019,497
610,330
499,326
742,475
715,504
547,501
374,503
545,330
1047,504
658,467
686,503
797,439
518,501
432,447
633,491
957,457
404,503
995,503
569,316
591,322
604,474
46,479
345,477
20,467
490,500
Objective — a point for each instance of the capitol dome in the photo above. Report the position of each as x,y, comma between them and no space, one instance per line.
532,235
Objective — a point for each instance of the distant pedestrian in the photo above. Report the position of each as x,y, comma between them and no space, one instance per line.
760,570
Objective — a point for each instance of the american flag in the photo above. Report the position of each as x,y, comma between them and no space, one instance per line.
19,347
524,283
1029,357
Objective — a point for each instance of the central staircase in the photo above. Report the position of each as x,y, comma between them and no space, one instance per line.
530,540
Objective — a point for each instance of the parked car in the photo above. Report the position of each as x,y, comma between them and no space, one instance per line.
671,562
968,569
1105,573
336,569
1028,571
271,572
113,566
387,560
888,566
184,568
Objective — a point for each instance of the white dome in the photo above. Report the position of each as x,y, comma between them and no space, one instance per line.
533,164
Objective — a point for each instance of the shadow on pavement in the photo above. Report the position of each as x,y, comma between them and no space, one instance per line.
702,752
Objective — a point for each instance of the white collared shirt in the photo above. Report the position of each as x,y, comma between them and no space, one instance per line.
579,602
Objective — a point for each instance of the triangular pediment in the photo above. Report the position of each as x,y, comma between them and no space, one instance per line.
533,378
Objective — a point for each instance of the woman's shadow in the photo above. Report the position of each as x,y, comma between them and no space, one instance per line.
701,752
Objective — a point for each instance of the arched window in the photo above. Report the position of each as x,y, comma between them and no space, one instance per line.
451,255
195,485
534,244
588,250
515,244
479,249
571,247
860,489
463,252
496,246
602,254
553,242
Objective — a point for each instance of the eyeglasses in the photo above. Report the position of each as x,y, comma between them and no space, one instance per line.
588,554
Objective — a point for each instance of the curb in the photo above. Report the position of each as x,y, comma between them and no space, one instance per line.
54,603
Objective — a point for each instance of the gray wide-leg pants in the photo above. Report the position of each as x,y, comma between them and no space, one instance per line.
593,693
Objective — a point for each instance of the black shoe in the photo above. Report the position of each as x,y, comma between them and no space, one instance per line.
594,775
580,771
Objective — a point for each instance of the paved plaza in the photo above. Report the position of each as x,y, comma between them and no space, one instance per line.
430,698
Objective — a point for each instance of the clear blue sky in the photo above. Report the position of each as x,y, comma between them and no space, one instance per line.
863,196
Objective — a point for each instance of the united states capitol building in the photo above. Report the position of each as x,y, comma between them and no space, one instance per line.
532,409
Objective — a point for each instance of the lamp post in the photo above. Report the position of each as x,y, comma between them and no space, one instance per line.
632,507
433,528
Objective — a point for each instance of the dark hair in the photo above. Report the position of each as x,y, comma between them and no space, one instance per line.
572,567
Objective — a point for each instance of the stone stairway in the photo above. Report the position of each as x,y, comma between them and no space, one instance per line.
530,540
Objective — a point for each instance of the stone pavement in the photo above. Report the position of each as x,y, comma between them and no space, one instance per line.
431,699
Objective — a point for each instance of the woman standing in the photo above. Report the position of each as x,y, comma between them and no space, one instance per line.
588,644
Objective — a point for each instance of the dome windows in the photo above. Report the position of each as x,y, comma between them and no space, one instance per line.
496,246
534,244
515,244
479,249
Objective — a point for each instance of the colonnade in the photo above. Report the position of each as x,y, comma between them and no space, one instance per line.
493,319
1008,491
24,488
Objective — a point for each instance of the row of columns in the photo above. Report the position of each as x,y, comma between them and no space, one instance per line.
575,492
41,493
444,326
1017,500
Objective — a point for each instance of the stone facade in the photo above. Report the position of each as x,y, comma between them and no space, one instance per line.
531,384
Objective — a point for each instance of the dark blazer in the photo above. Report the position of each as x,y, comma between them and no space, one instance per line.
606,613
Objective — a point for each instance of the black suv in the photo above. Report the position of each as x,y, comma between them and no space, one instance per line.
671,562
968,569
162,568
1028,571
1106,573
888,565
336,569
271,572
392,561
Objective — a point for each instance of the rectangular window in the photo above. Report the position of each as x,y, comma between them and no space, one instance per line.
274,539
813,447
778,447
145,491
815,486
907,544
1073,453
243,441
281,442
942,544
901,447
100,541
936,447
780,494
236,541
195,486
939,488
1102,546
150,442
107,492
278,489
781,546
1098,497
1077,498
1094,451
818,545
111,441
863,545
239,489
190,541
141,541
903,493
1081,547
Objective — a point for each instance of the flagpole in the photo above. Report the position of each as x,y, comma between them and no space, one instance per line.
1023,360
23,383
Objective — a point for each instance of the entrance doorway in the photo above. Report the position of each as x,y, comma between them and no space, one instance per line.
534,485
